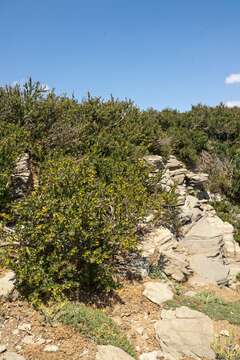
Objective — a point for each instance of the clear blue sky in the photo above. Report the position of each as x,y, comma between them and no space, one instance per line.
159,53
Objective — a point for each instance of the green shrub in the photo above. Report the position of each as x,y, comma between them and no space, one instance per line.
95,324
76,226
226,349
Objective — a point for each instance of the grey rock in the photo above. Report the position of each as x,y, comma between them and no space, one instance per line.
157,292
209,270
185,332
109,352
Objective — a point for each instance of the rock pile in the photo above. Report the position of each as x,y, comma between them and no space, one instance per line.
206,247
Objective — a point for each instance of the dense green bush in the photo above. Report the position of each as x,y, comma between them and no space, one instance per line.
74,228
93,187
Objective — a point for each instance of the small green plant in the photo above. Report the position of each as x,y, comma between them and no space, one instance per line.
155,272
226,349
238,277
94,323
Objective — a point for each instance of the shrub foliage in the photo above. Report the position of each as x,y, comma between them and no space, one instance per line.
93,187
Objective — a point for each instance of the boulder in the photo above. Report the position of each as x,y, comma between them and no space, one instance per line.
185,333
196,179
173,163
204,237
157,292
209,270
109,352
154,160
7,284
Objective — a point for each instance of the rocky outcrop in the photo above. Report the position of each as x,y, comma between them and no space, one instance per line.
160,248
206,242
185,332
22,177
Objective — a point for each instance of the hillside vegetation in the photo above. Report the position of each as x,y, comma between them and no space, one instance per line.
93,186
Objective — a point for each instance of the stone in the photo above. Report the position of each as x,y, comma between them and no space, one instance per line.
173,163
196,179
11,356
204,237
157,292
28,340
109,352
153,355
22,177
25,327
3,348
7,284
158,239
175,264
51,348
209,270
185,333
154,160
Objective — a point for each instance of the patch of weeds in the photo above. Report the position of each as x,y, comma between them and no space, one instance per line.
238,276
155,272
94,323
226,349
209,304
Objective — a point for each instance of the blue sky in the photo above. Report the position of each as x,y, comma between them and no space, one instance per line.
159,53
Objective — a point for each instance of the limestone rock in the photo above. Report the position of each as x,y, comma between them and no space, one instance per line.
157,292
109,352
7,284
196,179
159,239
154,160
204,238
22,177
184,332
173,163
209,270
11,356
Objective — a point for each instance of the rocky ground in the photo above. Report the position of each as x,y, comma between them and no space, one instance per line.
187,301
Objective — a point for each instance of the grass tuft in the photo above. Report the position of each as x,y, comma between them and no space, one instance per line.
94,323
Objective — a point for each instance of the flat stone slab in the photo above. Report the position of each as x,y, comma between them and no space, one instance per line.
157,292
109,352
184,332
210,270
